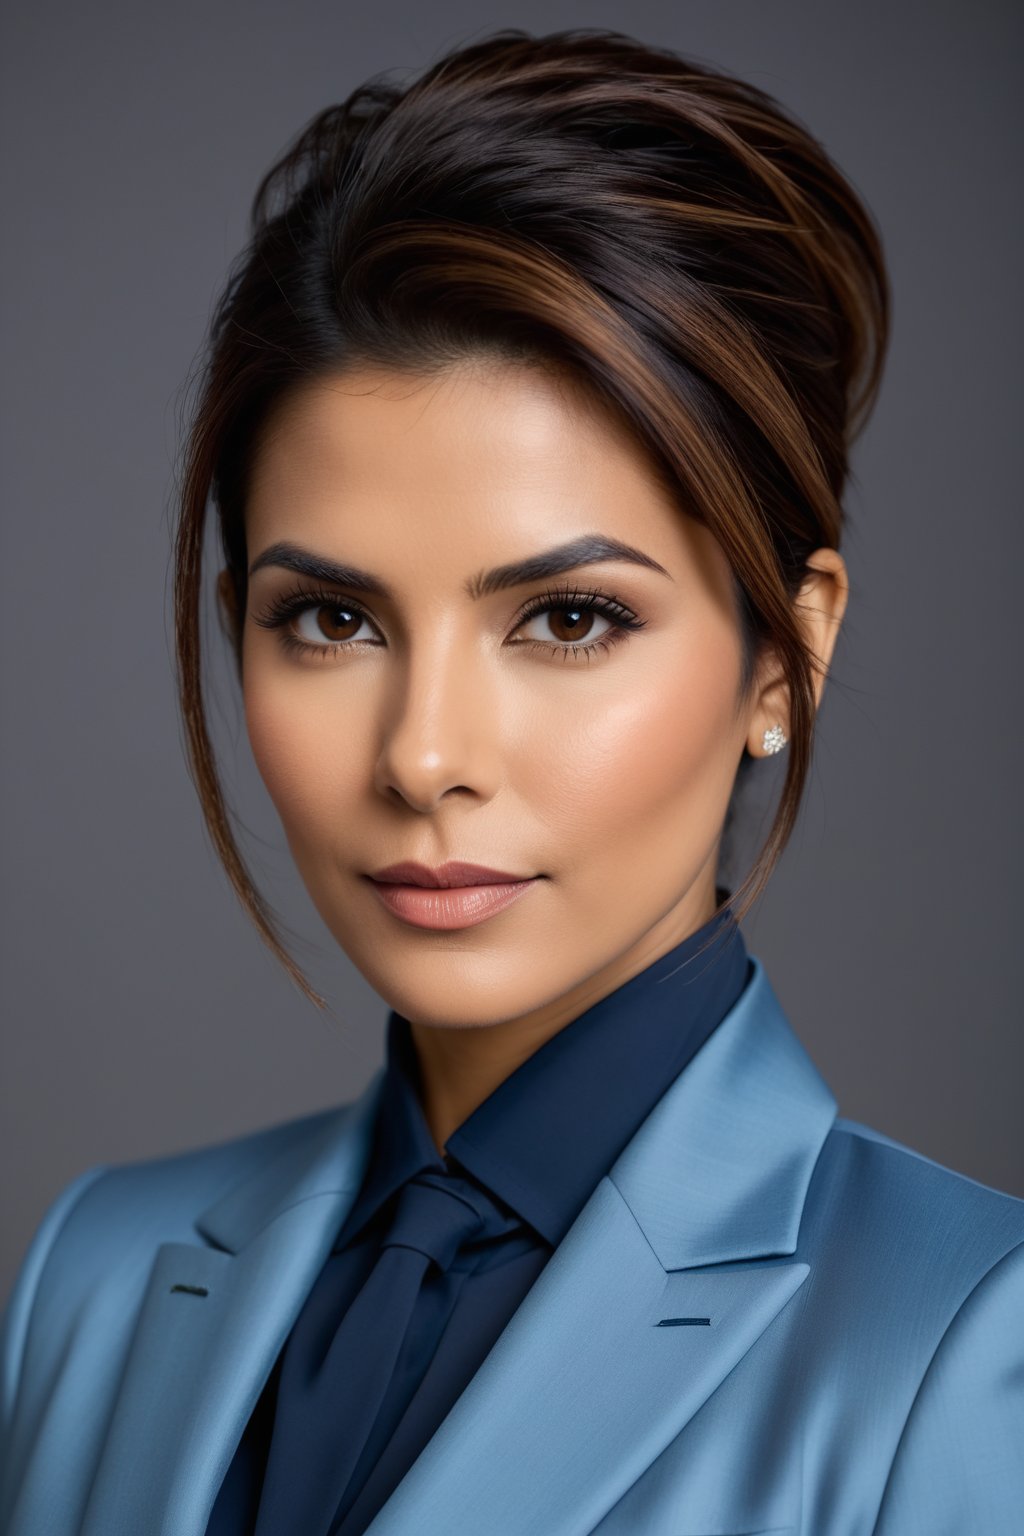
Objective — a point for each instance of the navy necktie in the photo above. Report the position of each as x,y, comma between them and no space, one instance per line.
334,1385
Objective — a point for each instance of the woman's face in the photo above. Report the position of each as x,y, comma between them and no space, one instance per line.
589,749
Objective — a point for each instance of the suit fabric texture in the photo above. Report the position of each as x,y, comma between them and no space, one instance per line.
765,1319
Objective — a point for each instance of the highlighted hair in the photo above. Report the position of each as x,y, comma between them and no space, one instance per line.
666,233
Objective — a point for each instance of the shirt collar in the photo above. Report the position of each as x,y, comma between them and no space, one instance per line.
550,1131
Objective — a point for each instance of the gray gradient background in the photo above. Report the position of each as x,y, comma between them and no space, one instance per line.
141,1014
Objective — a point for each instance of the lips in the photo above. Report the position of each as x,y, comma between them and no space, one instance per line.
454,895
456,872
448,907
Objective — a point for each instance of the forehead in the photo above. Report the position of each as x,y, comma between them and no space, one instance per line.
479,462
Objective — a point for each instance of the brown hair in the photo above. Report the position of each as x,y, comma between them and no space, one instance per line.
663,230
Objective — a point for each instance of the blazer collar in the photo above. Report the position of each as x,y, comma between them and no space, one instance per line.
327,1156
717,1171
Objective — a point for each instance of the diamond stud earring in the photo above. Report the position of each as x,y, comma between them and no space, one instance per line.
774,740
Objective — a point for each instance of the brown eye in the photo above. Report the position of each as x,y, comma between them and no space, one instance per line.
566,625
334,622
571,623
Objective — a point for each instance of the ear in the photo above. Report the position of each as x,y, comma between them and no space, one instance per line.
819,607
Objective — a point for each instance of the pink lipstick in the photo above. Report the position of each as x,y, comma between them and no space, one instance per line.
454,895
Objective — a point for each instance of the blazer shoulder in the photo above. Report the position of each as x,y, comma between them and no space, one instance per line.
905,1165
117,1213
874,1198
159,1197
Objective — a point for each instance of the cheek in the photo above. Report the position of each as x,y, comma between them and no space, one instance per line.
657,758
300,747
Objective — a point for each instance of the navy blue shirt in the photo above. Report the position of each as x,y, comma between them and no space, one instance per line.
539,1144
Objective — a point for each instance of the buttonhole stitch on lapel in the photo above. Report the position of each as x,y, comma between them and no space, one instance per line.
191,1290
678,1322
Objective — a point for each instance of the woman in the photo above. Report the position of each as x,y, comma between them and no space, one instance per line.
526,421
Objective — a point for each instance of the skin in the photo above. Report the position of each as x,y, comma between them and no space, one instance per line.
452,736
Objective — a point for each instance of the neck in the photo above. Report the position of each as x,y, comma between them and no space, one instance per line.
460,1067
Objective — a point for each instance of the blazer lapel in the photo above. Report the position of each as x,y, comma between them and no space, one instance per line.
629,1329
212,1322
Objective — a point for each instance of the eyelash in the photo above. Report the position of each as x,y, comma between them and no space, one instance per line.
278,614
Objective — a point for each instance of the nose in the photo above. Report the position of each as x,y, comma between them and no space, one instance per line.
437,730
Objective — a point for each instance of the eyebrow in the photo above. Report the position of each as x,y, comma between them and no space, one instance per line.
588,549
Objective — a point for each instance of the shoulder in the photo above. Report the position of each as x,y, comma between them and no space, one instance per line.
887,1224
196,1176
874,1202
896,1187
107,1222
162,1195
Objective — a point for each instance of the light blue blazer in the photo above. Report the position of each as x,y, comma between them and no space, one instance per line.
764,1319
